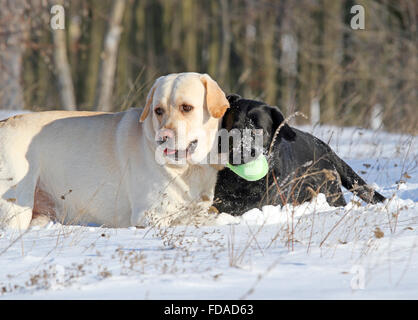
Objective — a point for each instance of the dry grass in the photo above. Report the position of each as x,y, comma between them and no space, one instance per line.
186,247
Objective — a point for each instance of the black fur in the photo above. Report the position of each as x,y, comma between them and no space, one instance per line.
300,165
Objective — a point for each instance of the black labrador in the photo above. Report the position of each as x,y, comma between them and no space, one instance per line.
300,165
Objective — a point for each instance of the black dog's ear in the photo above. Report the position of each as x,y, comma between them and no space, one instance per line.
286,131
233,98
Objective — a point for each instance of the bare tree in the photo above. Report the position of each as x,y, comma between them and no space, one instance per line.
104,90
62,70
12,28
295,54
226,41
190,38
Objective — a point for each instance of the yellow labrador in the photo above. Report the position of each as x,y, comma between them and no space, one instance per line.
113,169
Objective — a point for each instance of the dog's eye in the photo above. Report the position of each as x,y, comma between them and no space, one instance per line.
159,111
186,108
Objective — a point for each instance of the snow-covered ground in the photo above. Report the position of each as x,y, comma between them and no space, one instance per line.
312,251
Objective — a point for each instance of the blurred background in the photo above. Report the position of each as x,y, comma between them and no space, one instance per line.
299,55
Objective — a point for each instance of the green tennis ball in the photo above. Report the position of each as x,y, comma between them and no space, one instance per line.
253,170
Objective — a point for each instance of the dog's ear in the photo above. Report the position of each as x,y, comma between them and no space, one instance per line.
286,131
216,101
232,98
148,102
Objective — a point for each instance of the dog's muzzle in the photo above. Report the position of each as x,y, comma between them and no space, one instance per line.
179,154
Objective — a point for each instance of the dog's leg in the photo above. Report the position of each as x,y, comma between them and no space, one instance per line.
14,216
349,178
332,187
353,182
138,218
16,199
335,195
16,207
43,208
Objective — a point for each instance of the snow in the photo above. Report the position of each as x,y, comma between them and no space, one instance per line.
311,251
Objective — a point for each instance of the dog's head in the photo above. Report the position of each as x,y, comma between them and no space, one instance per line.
253,117
183,111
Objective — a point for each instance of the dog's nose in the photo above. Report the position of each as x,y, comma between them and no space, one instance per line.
165,134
